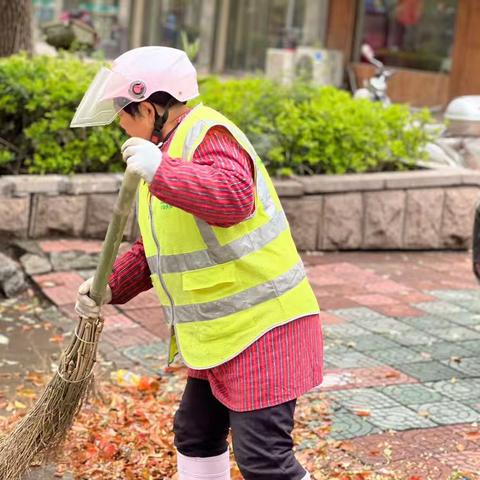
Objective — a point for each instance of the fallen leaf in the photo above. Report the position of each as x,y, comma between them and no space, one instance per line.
362,413
56,339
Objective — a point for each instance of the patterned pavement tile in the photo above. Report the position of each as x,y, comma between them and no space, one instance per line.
453,296
470,305
447,412
463,389
362,399
468,462
469,366
340,379
364,343
344,330
152,356
357,313
337,345
64,245
373,299
439,308
330,319
332,301
427,469
351,360
146,299
446,350
428,322
413,296
429,371
151,319
411,444
382,325
473,404
127,337
398,418
398,310
396,356
411,337
412,394
117,321
471,345
469,319
386,286
349,425
455,334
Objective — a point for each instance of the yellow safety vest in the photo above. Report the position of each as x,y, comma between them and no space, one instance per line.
221,288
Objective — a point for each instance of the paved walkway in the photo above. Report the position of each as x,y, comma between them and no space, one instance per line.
402,341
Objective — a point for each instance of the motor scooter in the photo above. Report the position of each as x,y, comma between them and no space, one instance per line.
456,139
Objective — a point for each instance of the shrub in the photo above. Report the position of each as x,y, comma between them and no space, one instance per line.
39,97
307,130
300,129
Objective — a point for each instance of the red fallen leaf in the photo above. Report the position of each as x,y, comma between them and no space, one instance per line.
107,449
148,384
415,477
392,374
362,413
474,435
56,339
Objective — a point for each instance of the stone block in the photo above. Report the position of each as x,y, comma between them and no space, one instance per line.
94,183
12,279
99,215
304,215
27,184
384,214
14,215
58,215
458,215
6,187
65,261
342,222
35,264
471,177
288,187
423,218
343,183
425,178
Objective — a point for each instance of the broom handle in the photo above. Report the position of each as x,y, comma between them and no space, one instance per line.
114,235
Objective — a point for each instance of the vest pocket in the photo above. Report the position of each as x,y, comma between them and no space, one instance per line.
208,277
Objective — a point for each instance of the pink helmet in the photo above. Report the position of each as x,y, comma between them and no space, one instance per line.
134,76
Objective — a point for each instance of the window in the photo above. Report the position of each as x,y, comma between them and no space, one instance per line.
254,26
414,34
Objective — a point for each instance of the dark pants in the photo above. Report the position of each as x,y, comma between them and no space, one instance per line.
262,441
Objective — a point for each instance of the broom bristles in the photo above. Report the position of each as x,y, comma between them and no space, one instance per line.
39,435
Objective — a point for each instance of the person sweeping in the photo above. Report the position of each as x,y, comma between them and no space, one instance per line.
216,246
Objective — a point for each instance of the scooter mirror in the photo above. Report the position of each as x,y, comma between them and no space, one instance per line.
367,52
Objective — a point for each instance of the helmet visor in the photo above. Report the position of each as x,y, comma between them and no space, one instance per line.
105,97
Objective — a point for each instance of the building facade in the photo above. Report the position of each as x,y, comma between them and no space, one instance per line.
432,44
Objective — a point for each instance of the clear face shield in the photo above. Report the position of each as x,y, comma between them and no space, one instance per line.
107,95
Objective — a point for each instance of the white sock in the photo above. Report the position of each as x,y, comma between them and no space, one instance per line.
208,468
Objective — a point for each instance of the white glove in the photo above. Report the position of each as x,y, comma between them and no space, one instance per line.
142,156
85,306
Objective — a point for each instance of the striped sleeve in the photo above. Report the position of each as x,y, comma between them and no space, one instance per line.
130,275
216,186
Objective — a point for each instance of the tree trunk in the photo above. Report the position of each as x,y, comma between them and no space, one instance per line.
15,26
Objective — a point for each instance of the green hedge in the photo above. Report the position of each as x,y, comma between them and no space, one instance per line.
301,129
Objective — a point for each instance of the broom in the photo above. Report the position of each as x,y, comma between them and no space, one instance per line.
39,435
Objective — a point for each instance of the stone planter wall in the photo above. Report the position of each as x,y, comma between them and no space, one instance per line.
405,210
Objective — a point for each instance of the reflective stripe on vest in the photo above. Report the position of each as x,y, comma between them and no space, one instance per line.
240,301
